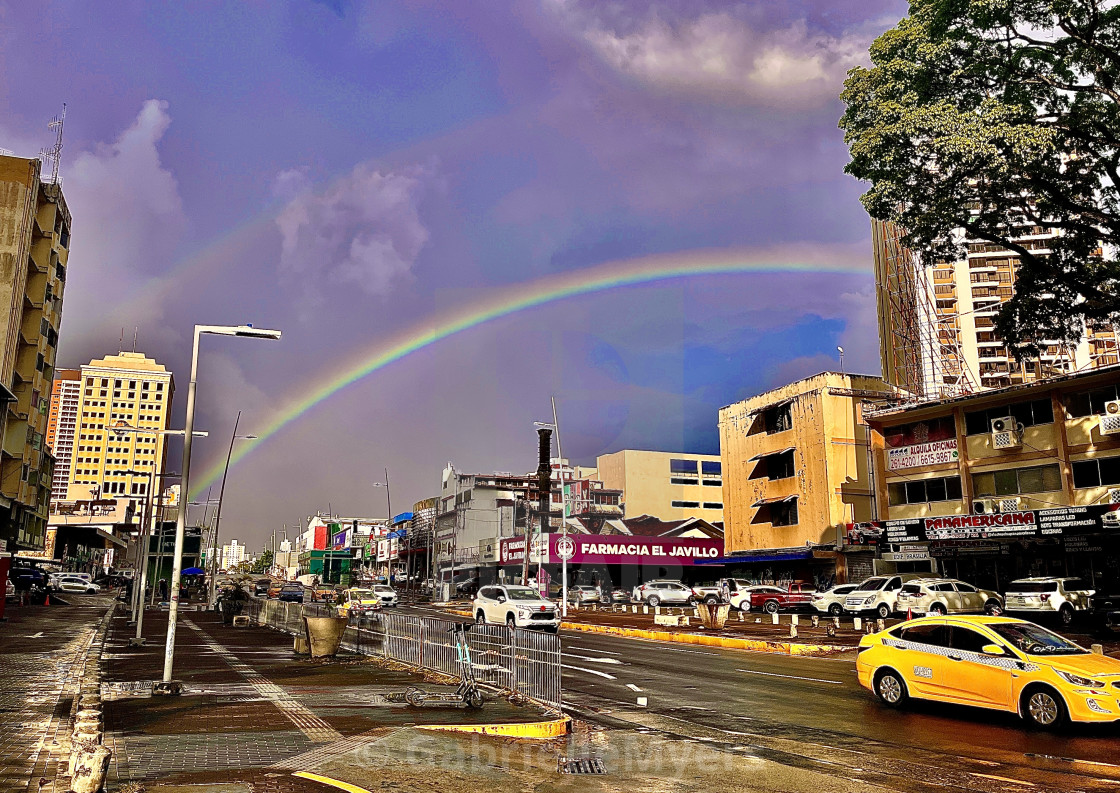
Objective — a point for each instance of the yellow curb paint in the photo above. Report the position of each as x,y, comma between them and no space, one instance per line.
326,780
537,730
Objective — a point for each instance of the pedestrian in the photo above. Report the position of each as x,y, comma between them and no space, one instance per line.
163,590
724,591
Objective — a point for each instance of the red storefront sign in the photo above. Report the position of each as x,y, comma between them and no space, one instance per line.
620,549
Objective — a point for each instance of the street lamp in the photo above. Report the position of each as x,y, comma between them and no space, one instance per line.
555,426
248,331
218,516
140,575
389,509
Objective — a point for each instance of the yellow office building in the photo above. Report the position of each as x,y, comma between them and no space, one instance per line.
120,392
666,485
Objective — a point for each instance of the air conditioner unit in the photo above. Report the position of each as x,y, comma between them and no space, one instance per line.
1007,433
1110,419
1113,495
1008,505
983,506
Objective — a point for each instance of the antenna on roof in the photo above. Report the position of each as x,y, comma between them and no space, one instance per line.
135,331
53,156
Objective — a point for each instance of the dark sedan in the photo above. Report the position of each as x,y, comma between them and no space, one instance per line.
291,593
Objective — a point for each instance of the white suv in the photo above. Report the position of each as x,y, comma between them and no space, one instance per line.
1047,595
655,593
832,601
941,596
515,606
878,594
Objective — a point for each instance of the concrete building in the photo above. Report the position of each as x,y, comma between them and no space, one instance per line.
233,554
62,425
1011,482
936,321
126,390
666,485
34,246
796,468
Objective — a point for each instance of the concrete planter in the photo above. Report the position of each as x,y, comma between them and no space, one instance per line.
324,634
89,770
713,617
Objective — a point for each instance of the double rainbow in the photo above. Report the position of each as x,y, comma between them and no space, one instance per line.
509,300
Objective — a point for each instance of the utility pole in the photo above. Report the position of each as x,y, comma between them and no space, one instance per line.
563,518
544,488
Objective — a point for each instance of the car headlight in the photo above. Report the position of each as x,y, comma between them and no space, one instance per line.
869,601
1084,682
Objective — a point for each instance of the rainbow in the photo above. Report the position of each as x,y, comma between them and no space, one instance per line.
519,297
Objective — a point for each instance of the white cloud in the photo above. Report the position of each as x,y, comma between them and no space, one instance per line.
363,231
724,58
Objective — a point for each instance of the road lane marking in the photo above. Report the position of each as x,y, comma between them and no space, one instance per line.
590,671
632,687
593,660
589,650
1004,779
326,780
38,635
792,677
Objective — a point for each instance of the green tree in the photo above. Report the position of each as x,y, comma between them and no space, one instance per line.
1010,109
263,562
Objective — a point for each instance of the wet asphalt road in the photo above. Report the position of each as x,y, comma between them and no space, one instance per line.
811,713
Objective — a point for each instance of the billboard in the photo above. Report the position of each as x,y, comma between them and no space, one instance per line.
917,454
997,526
618,549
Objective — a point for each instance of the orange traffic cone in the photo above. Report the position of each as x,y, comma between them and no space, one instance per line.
909,614
47,600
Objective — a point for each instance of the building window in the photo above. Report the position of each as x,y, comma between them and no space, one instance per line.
780,466
1013,481
683,467
711,468
784,513
712,505
939,429
679,480
686,504
1038,411
1096,473
713,483
924,491
1091,403
778,418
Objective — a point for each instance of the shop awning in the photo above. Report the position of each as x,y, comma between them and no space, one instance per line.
758,457
777,555
108,535
765,502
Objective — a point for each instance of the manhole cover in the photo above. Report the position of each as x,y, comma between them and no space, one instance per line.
583,765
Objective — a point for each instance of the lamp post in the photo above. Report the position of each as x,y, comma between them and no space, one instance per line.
555,425
221,494
246,331
389,509
140,576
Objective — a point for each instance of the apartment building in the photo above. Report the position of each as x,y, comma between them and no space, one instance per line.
62,424
796,471
1022,480
937,320
34,247
665,485
124,405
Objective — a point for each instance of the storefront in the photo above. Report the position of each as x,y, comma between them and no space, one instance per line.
610,560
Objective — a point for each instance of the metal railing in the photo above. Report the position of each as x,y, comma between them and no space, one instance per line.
515,661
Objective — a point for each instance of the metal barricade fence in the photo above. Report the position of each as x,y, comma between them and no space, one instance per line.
516,661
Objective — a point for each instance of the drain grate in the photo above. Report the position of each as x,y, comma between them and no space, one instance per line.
583,765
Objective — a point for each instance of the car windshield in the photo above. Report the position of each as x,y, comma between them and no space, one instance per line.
872,585
1033,586
382,589
360,594
523,593
1036,640
293,587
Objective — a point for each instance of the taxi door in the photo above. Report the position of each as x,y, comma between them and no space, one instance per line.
920,657
975,678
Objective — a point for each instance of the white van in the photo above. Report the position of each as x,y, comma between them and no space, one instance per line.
879,594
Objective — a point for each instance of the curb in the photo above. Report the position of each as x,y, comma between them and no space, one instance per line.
755,645
537,730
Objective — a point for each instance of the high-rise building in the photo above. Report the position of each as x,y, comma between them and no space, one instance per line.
233,554
34,246
937,319
125,402
62,423
666,485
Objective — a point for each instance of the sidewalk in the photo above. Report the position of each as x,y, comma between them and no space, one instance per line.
251,711
41,649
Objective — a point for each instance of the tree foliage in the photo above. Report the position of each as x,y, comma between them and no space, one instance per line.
1010,108
263,562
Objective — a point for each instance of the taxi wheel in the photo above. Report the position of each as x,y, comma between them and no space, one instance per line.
891,688
1043,707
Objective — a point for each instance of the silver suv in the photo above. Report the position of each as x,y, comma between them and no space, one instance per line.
1048,595
655,593
941,596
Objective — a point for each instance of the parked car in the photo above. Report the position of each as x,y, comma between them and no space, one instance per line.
831,601
797,597
291,592
656,593
620,595
261,586
386,594
941,596
1048,595
584,593
274,589
878,594
73,584
54,578
1104,611
322,593
999,663
358,601
516,607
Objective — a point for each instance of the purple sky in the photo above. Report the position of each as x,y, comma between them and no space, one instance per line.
343,169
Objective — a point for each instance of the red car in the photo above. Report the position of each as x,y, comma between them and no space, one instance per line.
794,598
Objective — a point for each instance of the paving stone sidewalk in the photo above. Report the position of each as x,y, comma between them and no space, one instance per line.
41,656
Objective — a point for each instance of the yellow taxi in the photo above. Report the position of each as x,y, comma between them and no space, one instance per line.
991,662
358,602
